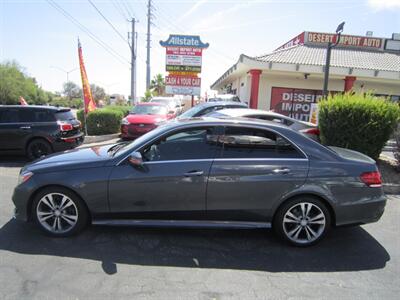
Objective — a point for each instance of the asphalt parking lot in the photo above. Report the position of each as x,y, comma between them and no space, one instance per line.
352,263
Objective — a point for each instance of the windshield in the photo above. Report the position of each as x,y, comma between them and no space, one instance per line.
191,112
170,103
149,110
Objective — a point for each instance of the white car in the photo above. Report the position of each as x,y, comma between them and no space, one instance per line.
173,104
309,129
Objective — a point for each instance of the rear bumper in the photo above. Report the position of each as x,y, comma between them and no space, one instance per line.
362,212
67,143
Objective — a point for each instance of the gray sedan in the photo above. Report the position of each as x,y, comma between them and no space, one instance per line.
236,173
309,129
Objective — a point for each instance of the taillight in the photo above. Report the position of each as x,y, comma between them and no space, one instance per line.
65,126
372,179
314,131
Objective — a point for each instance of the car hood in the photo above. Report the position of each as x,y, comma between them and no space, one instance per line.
71,159
145,119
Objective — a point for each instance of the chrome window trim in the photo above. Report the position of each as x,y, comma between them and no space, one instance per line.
177,161
222,159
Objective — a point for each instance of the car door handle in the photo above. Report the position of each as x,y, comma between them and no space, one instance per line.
25,127
193,173
281,171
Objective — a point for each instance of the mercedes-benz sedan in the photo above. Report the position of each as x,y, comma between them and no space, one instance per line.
205,173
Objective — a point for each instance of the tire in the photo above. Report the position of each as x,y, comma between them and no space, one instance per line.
298,229
38,148
55,220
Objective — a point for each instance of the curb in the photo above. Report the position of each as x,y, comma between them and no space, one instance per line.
391,188
89,139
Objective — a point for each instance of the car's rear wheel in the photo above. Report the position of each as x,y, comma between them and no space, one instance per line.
59,212
302,221
38,148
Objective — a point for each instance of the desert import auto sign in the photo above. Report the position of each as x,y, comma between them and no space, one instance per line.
183,61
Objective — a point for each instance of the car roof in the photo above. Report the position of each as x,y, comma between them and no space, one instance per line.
238,112
226,121
151,104
222,103
37,107
163,98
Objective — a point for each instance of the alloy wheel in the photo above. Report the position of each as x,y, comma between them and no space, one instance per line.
304,222
57,213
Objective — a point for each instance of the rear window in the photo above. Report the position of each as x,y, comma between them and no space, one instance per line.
65,115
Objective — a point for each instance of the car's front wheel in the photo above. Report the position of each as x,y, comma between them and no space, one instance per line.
302,221
59,212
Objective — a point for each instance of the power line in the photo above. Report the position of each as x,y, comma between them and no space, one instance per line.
127,7
109,23
120,10
102,44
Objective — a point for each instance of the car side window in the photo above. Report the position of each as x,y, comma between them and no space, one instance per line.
43,115
240,142
9,116
190,143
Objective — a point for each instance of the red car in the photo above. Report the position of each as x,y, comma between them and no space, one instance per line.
143,118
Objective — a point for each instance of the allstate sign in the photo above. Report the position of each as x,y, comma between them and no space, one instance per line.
176,40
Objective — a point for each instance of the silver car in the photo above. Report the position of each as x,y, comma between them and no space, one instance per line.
309,129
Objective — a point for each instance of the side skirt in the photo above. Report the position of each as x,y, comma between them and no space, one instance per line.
183,223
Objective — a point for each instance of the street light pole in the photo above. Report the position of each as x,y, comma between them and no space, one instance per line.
331,45
66,72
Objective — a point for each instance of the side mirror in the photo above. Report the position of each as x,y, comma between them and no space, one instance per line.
135,159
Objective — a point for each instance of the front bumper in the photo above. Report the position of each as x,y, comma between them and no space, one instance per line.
133,131
22,194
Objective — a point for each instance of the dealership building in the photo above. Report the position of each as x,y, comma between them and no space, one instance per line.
290,78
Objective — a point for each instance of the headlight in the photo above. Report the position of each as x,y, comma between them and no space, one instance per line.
124,121
23,177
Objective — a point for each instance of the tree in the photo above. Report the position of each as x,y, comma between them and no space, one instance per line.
157,85
98,93
14,83
147,96
71,90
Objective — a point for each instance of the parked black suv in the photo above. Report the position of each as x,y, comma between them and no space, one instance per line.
38,130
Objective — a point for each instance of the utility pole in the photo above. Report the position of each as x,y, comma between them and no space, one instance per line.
149,16
133,62
331,45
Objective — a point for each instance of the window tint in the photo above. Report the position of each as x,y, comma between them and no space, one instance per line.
65,115
193,143
255,143
9,116
35,115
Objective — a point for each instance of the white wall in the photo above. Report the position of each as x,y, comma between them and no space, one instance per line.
269,79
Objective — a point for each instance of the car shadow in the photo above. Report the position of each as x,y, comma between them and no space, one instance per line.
345,249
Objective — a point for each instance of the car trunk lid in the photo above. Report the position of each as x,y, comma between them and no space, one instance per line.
352,155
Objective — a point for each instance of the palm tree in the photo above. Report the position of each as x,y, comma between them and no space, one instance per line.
157,85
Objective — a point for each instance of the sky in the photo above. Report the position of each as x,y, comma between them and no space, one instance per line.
44,41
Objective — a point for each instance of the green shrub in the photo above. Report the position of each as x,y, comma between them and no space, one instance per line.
124,109
397,146
81,117
361,122
103,121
